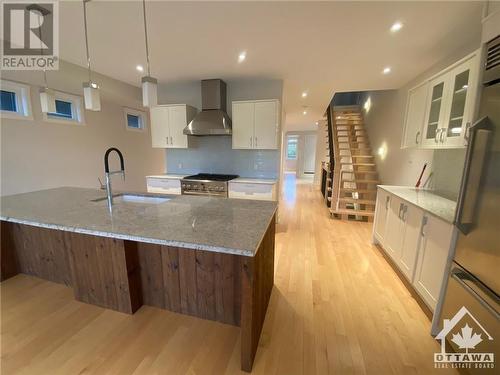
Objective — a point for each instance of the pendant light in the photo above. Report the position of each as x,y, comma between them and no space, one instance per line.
47,96
149,84
90,89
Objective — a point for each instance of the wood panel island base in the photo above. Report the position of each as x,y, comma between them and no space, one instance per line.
123,275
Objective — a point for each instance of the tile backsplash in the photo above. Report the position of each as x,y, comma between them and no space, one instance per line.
214,154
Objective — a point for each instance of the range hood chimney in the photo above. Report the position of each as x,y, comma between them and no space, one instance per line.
213,119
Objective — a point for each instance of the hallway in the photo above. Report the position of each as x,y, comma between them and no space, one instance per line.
337,308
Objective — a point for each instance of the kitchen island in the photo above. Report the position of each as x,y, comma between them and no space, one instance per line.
208,257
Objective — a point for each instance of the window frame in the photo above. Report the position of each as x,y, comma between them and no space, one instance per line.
23,100
288,139
138,113
76,106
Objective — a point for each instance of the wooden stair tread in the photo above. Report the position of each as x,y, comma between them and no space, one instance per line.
362,181
346,211
357,164
354,200
354,190
358,172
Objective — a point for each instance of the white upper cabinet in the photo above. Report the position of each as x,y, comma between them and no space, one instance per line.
415,115
266,125
459,115
243,125
436,107
256,124
167,124
440,110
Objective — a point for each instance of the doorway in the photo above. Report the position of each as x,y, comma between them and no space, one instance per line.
300,154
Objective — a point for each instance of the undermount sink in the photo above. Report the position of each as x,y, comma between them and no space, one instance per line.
135,198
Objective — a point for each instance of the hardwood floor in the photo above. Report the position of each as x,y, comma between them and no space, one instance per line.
337,308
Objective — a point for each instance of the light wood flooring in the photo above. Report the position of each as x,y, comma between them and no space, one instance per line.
337,308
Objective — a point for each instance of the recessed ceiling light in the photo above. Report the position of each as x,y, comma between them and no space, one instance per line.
386,70
396,27
317,122
304,94
242,56
140,68
304,112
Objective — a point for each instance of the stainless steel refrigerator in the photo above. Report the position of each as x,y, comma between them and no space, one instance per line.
474,281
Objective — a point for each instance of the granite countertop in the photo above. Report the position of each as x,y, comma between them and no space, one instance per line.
169,176
251,180
234,226
435,204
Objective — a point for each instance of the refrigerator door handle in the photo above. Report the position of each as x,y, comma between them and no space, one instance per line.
471,179
478,291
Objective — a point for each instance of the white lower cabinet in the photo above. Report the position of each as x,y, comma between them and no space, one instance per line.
417,242
252,190
382,208
432,258
163,184
412,218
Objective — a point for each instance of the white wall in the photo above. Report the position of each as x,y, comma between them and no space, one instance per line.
39,155
384,124
321,149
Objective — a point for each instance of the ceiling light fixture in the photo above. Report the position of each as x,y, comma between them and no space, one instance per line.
396,26
242,57
386,70
140,68
304,94
149,84
47,96
91,95
304,112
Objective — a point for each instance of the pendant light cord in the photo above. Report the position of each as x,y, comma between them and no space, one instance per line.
146,35
41,49
86,37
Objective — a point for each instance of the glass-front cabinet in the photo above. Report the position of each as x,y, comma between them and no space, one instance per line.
450,105
436,107
459,116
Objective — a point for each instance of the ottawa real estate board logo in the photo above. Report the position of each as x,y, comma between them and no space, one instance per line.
466,336
30,35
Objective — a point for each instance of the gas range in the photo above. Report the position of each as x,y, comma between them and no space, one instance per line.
206,184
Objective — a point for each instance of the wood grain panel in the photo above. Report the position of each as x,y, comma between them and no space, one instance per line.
194,282
187,281
171,282
151,273
257,278
101,275
9,263
38,251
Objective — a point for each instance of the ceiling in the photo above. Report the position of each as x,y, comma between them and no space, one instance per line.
318,47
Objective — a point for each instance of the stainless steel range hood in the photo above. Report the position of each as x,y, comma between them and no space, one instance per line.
213,119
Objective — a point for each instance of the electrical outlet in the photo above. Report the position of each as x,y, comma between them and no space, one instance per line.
179,165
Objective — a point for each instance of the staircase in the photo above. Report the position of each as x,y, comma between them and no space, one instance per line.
355,176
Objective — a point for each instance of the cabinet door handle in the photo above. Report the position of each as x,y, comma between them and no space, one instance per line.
416,137
166,138
467,131
251,143
436,137
442,138
387,199
256,143
400,210
424,223
405,213
171,142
